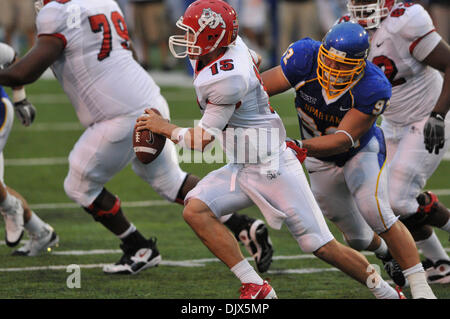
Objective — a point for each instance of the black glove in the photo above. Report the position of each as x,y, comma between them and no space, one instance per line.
434,133
25,111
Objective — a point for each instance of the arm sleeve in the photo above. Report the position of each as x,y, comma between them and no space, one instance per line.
216,117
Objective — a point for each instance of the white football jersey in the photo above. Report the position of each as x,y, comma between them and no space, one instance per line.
96,70
233,79
402,41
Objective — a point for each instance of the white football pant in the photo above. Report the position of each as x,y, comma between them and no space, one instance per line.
410,165
281,195
355,196
6,123
105,148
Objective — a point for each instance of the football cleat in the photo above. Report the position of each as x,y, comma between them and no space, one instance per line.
254,291
433,202
38,243
256,240
134,260
393,269
438,272
401,295
14,222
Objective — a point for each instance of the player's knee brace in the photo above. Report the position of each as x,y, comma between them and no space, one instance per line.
104,206
358,243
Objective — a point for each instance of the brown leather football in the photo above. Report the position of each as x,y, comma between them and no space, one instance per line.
148,145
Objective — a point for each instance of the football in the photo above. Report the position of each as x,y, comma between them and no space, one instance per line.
148,145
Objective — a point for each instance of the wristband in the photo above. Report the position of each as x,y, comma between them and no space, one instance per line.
19,95
348,135
437,116
180,137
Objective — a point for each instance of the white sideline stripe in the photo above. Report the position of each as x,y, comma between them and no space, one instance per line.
75,126
148,203
156,202
180,263
36,161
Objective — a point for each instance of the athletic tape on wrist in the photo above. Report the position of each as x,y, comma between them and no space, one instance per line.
19,95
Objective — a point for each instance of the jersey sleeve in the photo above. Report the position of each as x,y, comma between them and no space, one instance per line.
299,60
419,31
227,91
53,20
216,117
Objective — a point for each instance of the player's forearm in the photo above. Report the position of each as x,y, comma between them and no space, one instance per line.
443,104
327,145
13,78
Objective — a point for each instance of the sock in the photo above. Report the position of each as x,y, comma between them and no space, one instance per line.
432,248
418,282
384,291
223,219
246,273
134,239
35,225
130,230
446,227
382,251
9,203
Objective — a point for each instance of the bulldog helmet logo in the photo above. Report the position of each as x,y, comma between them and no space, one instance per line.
211,19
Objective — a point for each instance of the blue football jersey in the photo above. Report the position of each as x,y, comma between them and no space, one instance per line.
316,115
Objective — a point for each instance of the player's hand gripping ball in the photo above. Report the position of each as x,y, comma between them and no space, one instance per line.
148,145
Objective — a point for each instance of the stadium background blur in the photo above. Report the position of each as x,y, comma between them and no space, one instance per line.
268,26
30,160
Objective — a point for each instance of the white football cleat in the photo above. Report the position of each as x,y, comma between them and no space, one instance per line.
438,272
38,243
14,224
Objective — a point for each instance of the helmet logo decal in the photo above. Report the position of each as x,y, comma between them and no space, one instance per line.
211,19
337,52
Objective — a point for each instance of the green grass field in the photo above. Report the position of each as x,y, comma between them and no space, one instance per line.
188,269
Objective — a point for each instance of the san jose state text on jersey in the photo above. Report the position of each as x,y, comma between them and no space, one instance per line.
319,116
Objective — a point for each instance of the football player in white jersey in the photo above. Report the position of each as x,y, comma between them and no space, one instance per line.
406,46
261,171
86,43
14,208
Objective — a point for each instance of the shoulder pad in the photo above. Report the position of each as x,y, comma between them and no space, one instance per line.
299,60
411,21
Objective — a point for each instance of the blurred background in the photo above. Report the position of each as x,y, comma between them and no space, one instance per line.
268,26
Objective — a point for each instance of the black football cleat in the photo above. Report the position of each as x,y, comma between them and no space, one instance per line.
134,260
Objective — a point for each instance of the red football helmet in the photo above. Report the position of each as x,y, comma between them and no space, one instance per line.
209,24
369,13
